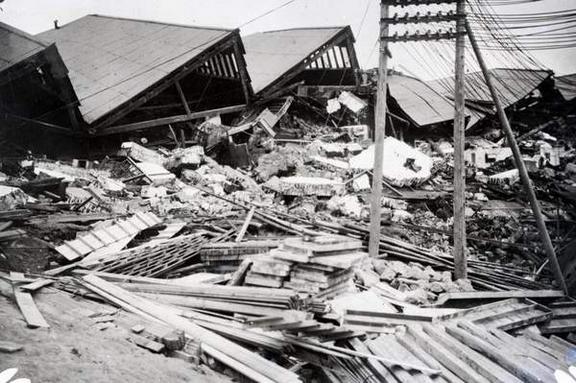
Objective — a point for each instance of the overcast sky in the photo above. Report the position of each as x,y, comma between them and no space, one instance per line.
35,16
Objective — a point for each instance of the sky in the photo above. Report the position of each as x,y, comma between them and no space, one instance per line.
34,16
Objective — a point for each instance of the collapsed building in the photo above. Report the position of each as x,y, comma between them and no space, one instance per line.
37,101
223,217
302,60
134,76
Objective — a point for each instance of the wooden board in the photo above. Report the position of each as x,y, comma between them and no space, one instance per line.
31,314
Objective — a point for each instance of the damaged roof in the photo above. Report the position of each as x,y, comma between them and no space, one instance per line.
420,102
112,60
566,85
270,55
16,45
512,85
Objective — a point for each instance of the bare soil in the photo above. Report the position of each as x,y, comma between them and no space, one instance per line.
75,350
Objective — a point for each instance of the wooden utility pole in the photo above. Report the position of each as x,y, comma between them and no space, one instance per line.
519,164
460,261
379,133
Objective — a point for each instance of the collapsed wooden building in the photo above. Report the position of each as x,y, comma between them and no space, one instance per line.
302,60
133,76
36,97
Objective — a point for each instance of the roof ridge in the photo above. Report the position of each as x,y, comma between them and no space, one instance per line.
150,22
306,28
23,34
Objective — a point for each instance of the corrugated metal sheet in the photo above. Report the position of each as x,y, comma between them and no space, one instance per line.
111,60
16,45
269,55
567,86
421,103
512,85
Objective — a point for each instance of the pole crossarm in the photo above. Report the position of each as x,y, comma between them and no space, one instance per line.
428,36
406,3
419,18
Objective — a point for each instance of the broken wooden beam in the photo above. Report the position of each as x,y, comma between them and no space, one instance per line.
169,120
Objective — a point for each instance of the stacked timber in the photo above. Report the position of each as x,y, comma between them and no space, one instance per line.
321,266
225,257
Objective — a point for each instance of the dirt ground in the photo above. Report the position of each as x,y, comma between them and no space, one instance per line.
73,349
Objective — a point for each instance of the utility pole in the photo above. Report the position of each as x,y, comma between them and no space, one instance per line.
421,18
548,246
460,261
379,133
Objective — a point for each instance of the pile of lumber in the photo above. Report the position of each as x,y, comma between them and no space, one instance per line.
322,266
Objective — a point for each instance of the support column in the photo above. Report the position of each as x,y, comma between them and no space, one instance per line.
187,109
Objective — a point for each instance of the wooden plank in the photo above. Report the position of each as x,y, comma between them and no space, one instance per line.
445,356
498,356
239,354
146,343
238,276
410,344
29,310
36,285
475,296
477,361
244,228
234,364
169,120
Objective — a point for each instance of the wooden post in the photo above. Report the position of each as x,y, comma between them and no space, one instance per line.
186,108
379,133
520,165
460,261
244,76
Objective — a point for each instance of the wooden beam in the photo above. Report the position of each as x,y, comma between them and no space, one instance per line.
244,228
149,309
244,76
169,120
47,125
186,109
218,47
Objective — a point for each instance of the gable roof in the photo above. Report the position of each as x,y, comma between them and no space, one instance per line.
111,60
511,84
16,46
270,55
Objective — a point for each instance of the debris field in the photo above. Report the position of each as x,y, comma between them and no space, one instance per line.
227,239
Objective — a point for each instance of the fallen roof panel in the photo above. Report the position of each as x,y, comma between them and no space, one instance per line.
511,84
16,45
270,55
567,86
421,103
111,60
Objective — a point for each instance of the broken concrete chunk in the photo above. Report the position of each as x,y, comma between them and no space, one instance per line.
333,106
352,102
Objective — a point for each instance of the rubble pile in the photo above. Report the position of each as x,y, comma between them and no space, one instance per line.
230,254
247,249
